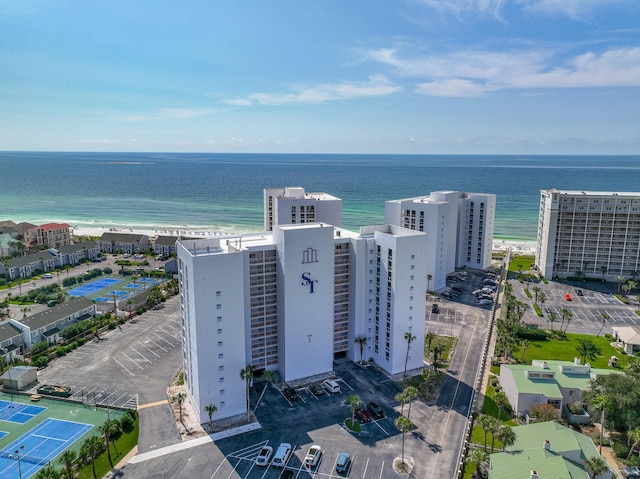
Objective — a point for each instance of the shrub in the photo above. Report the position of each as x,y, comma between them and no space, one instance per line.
532,334
39,348
112,325
537,309
127,423
61,351
528,293
107,270
620,449
40,362
544,280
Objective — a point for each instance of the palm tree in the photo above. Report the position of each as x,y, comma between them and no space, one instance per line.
481,460
404,425
47,472
601,403
629,286
634,435
411,393
428,338
211,409
501,401
587,350
354,401
403,398
91,449
408,337
484,421
362,342
524,344
494,427
536,292
246,374
567,316
542,297
506,435
605,317
552,317
603,270
596,465
268,375
68,459
437,350
429,278
105,430
179,400
130,304
620,280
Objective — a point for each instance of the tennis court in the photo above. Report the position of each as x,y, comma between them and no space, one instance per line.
18,412
33,450
94,286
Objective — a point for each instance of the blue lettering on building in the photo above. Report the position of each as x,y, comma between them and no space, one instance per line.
307,281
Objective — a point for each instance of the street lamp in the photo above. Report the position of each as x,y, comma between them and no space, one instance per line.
17,453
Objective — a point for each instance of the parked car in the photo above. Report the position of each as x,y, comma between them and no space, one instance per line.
291,394
486,289
484,302
344,463
95,260
47,276
331,385
363,415
316,389
375,410
313,456
457,289
579,292
435,309
631,472
264,456
567,297
282,455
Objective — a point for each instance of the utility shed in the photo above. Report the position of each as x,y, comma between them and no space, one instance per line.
19,377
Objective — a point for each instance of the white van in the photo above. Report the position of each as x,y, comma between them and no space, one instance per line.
331,385
282,455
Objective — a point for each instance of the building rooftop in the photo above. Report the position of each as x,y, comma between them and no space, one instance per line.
60,311
591,193
122,237
8,331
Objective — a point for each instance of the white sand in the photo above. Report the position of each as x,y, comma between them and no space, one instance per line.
522,247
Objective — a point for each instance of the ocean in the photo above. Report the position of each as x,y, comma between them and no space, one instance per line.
223,192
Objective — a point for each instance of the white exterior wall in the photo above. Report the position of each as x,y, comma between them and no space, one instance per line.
305,299
213,328
278,204
475,230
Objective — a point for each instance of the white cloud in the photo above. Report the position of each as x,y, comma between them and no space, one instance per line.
461,7
472,73
168,114
574,9
377,85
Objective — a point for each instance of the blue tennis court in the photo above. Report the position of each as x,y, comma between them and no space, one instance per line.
93,286
32,451
18,412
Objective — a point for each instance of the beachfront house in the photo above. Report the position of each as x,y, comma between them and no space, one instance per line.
11,340
124,242
165,245
545,450
47,325
557,383
26,266
75,253
52,235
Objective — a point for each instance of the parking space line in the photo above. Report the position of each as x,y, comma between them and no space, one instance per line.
365,468
169,343
152,341
381,428
120,364
139,354
125,355
152,352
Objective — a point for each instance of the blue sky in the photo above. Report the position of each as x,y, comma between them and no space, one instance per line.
354,76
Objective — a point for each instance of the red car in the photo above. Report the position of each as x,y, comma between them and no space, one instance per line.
363,415
567,296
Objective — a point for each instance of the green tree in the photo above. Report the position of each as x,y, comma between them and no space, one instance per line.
494,428
428,339
404,424
106,431
586,349
246,374
536,292
524,345
605,317
409,338
48,472
634,435
501,401
90,450
620,280
506,435
179,400
544,412
603,270
484,422
438,349
552,318
596,465
601,403
68,459
361,342
566,316
411,393
480,459
211,409
354,401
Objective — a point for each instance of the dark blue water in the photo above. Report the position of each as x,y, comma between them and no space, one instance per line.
224,191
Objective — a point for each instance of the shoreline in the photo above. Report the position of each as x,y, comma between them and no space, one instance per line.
499,244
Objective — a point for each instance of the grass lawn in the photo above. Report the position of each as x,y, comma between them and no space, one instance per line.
123,445
565,350
524,261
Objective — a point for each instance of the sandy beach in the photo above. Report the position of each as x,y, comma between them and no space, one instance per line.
519,247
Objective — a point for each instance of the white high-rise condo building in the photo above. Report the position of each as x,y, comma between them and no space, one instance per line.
459,226
291,205
593,234
293,300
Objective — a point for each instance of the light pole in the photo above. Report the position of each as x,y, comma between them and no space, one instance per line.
17,453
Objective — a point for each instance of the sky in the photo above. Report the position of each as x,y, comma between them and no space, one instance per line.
329,76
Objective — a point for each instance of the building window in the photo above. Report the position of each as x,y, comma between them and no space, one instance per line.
218,294
218,306
220,356
219,344
221,368
412,267
219,330
413,256
222,403
221,392
220,380
219,319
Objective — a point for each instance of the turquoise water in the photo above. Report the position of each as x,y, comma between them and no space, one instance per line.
223,192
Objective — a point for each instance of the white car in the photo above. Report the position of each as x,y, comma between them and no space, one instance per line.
313,456
484,302
47,276
264,456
